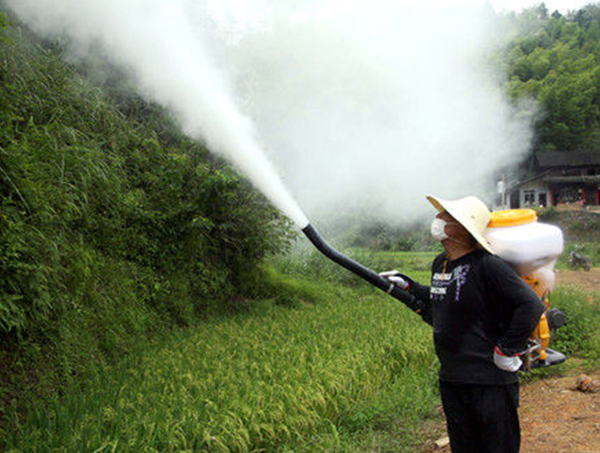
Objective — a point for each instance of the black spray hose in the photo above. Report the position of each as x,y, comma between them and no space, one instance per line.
367,274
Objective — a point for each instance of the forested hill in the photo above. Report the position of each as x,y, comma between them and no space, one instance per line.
555,59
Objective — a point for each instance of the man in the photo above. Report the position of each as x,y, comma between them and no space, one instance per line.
482,314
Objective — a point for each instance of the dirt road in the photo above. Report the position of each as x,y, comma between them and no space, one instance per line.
590,280
556,417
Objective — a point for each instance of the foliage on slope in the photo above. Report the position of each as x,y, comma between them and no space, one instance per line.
113,226
555,59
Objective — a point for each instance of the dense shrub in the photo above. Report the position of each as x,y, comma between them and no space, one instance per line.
113,226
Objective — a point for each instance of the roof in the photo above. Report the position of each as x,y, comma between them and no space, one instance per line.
518,184
552,159
586,179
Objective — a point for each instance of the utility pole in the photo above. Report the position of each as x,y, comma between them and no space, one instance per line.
501,187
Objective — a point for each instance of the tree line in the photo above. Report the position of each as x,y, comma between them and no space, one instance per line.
554,59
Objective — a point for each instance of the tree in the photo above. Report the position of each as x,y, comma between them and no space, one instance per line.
555,60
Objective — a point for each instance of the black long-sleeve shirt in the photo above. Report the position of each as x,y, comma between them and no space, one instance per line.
475,303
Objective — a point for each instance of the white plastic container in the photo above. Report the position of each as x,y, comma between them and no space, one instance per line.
518,238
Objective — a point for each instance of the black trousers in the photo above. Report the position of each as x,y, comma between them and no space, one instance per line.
482,418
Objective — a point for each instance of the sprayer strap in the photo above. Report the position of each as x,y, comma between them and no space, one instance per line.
390,289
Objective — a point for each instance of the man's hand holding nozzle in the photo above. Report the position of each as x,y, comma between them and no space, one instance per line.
398,279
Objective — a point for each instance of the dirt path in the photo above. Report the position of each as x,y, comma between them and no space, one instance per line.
589,280
555,416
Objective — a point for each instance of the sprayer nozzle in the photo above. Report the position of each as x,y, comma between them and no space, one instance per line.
367,274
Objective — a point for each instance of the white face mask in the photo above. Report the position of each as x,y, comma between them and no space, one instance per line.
438,229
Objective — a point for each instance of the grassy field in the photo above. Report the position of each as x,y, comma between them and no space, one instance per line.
289,374
321,365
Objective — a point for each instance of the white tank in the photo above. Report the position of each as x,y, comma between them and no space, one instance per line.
518,238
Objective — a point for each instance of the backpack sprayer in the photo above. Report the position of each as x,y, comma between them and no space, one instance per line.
532,249
529,246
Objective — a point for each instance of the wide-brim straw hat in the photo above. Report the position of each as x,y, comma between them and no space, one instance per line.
470,212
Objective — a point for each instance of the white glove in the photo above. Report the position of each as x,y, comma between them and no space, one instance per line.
396,278
506,363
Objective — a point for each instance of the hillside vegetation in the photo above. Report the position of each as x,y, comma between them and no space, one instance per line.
581,230
554,59
113,226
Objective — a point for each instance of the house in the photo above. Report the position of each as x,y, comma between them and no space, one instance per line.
560,177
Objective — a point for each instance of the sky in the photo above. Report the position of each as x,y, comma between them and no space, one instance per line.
516,5
246,8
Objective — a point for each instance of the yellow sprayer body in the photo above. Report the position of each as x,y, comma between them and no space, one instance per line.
541,334
532,249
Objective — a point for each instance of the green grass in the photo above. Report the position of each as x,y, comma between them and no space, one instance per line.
589,249
580,335
315,366
311,264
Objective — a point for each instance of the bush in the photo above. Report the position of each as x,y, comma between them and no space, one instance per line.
113,226
549,214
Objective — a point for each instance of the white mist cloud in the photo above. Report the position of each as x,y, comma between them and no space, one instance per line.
156,43
377,105
358,104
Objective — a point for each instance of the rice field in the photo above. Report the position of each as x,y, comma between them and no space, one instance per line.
274,378
320,366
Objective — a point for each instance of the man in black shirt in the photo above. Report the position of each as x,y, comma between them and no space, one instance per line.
482,314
